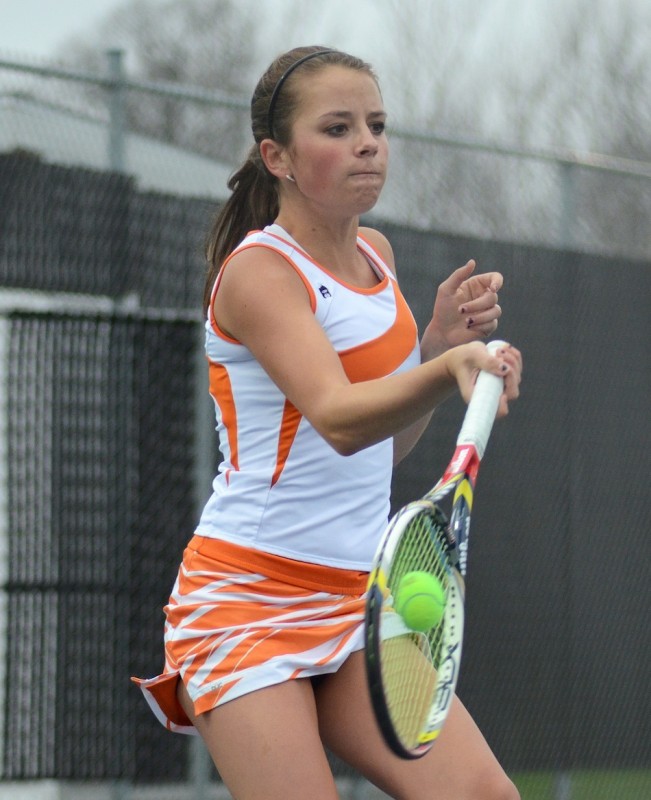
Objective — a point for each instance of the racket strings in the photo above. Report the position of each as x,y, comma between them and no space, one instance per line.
424,547
409,682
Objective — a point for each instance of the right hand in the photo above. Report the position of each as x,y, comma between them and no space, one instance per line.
465,362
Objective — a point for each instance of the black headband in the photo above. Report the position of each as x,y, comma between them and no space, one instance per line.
281,81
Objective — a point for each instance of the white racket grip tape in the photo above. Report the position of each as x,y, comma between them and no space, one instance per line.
480,415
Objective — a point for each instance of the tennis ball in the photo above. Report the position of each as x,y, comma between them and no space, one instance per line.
420,600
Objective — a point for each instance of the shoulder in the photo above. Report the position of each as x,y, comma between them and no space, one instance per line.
254,283
255,265
381,244
257,295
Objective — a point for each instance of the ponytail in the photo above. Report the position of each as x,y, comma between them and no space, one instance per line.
252,205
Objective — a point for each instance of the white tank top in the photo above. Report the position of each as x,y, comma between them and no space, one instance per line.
280,487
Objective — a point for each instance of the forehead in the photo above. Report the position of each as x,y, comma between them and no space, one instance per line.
337,87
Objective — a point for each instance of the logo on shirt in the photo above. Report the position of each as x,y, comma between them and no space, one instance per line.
325,292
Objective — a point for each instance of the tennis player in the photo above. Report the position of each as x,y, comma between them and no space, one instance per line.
320,385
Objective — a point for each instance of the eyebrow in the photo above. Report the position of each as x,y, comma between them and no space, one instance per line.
348,114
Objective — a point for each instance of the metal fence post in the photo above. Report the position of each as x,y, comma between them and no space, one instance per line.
567,206
200,764
562,786
117,110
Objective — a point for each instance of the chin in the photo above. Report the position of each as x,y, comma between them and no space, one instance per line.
368,201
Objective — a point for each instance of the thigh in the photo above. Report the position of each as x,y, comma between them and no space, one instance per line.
460,765
266,744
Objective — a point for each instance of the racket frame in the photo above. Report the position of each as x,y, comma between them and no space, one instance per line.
450,648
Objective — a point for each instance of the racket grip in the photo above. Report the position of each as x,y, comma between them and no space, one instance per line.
480,415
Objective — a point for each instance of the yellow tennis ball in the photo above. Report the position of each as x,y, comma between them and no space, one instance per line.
420,600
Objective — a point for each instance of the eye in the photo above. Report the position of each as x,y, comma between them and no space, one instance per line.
377,128
336,130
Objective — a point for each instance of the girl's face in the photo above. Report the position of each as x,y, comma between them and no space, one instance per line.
338,152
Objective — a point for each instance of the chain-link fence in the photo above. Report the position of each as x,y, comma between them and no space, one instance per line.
585,201
104,458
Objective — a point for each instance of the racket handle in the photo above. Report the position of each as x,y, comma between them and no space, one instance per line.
480,415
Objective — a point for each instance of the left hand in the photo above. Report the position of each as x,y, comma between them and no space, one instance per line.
466,309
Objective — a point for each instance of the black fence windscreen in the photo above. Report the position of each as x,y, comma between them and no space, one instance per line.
557,641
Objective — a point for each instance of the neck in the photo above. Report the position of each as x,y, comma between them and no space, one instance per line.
333,247
326,241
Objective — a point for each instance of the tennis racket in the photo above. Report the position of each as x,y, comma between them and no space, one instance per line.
412,674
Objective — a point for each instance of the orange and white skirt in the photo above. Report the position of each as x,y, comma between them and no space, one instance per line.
239,620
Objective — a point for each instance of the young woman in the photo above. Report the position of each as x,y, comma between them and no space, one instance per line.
320,386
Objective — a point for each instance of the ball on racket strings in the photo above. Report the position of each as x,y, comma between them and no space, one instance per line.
420,600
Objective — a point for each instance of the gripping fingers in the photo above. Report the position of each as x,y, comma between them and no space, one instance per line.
511,359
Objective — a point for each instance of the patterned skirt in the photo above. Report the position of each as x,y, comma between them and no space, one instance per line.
239,620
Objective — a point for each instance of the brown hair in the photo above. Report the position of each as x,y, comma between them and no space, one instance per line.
254,190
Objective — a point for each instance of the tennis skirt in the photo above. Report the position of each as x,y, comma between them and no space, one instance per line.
239,620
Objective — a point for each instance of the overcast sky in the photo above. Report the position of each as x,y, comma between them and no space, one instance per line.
37,27
38,30
478,50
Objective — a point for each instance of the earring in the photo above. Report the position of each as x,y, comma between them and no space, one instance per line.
290,178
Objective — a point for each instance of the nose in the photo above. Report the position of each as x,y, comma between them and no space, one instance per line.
367,143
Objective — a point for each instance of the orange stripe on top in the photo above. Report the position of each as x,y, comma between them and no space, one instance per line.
288,427
382,356
222,392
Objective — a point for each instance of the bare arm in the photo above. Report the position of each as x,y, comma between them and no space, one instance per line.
277,324
466,309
